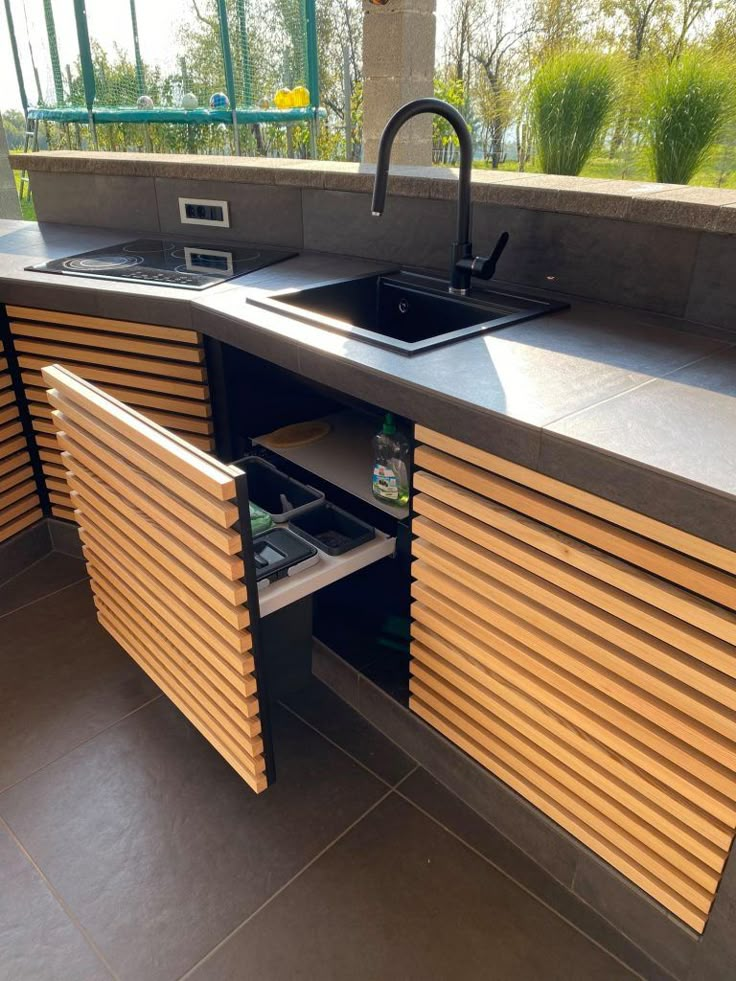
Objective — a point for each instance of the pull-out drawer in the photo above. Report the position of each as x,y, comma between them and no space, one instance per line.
19,502
584,654
158,370
166,535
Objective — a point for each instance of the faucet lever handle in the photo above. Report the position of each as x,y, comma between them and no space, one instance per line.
485,266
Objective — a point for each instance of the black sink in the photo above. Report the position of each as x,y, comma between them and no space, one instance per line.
405,312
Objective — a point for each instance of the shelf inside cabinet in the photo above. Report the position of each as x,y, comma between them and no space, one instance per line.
328,570
344,457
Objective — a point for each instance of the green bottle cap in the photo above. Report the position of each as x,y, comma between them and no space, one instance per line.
389,426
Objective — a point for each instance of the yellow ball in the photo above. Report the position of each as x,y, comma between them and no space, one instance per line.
300,95
283,99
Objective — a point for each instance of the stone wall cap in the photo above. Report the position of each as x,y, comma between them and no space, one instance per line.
700,208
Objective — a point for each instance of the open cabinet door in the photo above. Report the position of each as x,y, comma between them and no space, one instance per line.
160,523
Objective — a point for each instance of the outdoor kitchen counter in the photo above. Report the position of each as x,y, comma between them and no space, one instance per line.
632,406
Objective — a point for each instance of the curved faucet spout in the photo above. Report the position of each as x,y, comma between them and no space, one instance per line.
438,108
463,266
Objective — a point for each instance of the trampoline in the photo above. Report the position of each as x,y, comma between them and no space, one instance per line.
234,64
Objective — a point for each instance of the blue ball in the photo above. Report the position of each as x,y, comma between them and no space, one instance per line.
219,101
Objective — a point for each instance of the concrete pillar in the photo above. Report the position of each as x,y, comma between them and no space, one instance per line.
398,66
9,203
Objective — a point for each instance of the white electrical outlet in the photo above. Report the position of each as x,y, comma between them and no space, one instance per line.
202,211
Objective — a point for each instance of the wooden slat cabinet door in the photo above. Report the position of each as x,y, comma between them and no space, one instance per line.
584,654
160,371
160,523
20,506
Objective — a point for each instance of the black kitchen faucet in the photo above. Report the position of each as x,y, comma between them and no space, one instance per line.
463,264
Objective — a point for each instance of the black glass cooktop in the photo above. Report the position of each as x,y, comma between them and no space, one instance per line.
161,262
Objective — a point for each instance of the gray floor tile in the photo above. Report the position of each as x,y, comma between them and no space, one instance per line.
428,794
52,572
161,850
38,941
63,680
321,708
400,898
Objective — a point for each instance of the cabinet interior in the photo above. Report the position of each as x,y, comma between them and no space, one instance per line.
363,617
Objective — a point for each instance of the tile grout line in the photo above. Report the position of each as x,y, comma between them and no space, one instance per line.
342,749
40,599
520,885
58,897
77,746
23,571
389,790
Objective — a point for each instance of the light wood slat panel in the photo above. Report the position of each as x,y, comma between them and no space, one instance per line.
163,586
13,461
61,500
654,801
192,549
8,430
690,773
605,815
176,407
551,621
587,656
108,342
5,382
179,334
31,376
17,476
223,617
176,423
91,433
591,562
228,652
651,528
627,607
48,442
44,426
626,678
180,673
148,663
691,915
176,454
54,353
162,547
19,507
3,361
673,566
104,464
66,514
718,782
238,689
7,397
7,531
196,673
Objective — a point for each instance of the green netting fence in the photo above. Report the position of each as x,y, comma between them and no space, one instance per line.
237,65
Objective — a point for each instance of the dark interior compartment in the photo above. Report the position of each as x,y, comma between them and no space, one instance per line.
332,530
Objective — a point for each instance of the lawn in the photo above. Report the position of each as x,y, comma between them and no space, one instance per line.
26,205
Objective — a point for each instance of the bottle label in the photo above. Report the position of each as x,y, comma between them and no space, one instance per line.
385,483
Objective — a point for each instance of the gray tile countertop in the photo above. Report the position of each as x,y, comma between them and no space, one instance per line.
637,407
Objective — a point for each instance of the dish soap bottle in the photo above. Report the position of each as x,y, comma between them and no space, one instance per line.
391,465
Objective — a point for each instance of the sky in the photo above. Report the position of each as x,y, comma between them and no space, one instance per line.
109,21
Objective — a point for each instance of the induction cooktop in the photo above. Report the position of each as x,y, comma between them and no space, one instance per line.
162,262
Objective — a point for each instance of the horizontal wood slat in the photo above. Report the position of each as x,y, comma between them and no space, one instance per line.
157,521
109,377
19,500
130,344
587,656
160,370
584,501
178,334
